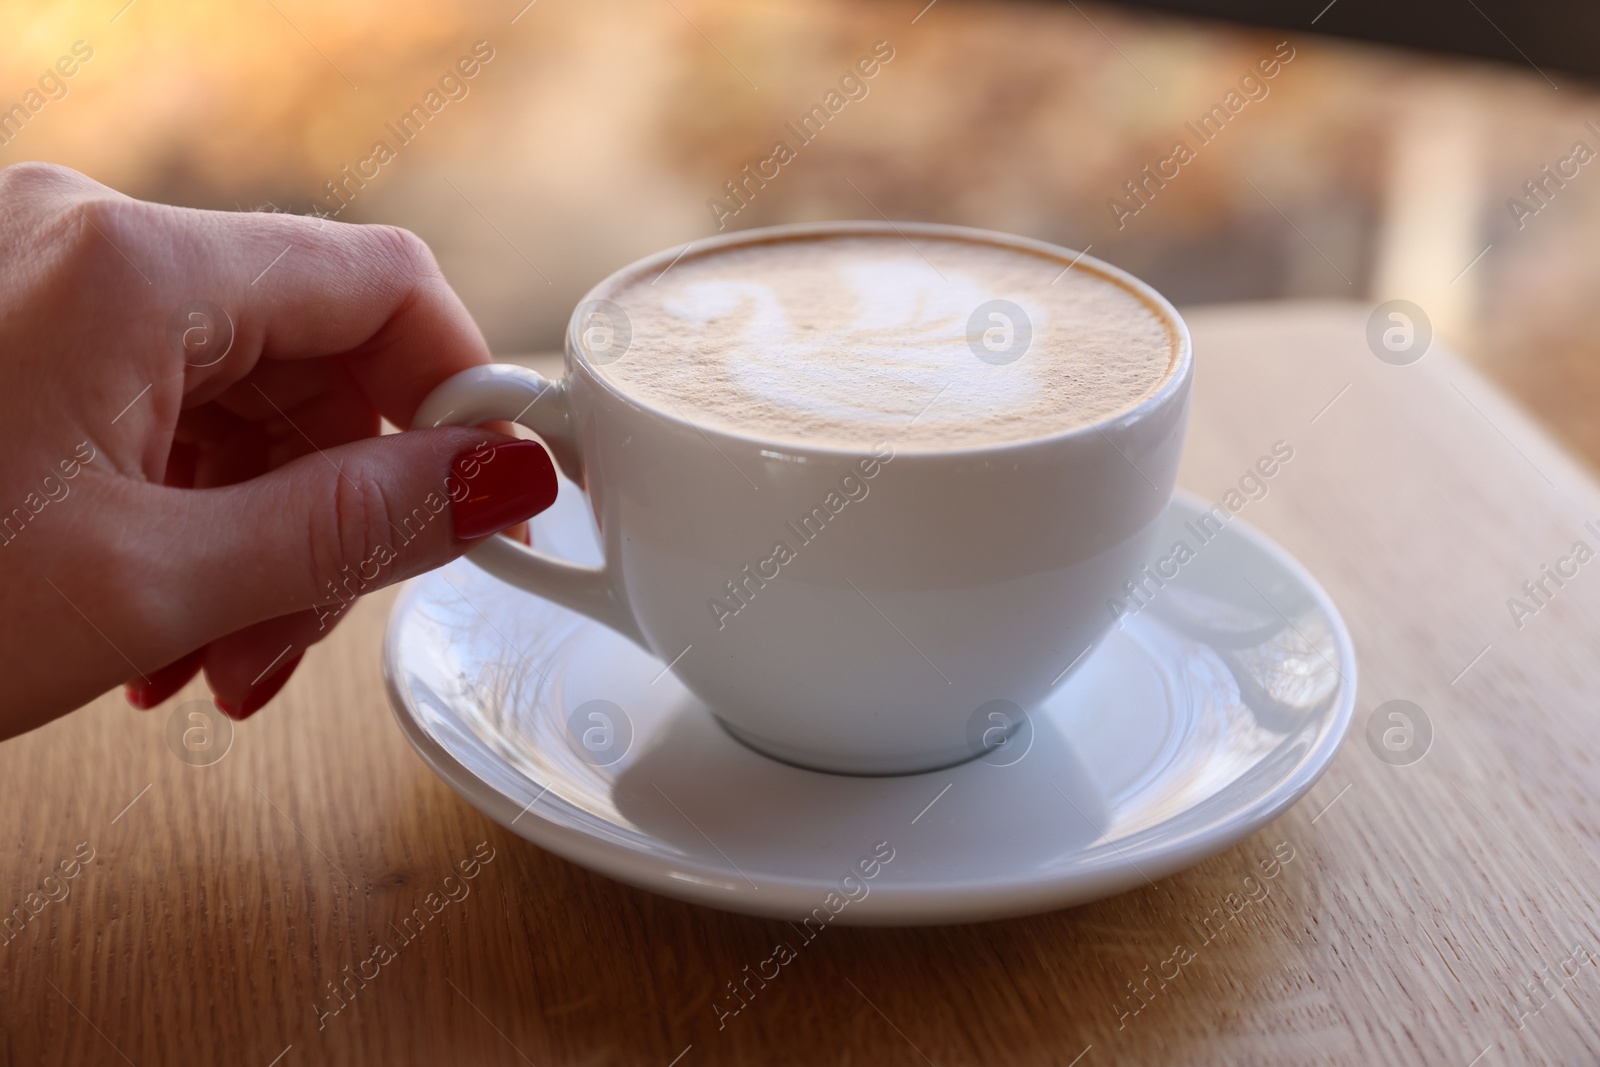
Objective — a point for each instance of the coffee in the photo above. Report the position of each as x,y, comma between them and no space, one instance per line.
829,617
850,338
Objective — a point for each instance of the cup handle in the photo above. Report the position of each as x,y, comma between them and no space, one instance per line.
516,394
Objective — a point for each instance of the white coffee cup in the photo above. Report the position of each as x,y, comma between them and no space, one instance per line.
962,582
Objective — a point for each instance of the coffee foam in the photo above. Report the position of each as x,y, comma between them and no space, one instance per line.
851,339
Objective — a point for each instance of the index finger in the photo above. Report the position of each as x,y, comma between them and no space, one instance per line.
298,287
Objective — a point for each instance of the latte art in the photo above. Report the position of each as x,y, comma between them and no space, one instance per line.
849,338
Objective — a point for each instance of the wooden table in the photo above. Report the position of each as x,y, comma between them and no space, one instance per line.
1424,905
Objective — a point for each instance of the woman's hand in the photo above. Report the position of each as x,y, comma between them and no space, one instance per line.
191,472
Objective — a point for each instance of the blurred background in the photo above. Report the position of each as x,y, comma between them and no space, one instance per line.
594,133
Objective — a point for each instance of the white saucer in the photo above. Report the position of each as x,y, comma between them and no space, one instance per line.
1196,722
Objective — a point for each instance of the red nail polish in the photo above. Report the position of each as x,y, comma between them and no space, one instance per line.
262,692
157,686
505,483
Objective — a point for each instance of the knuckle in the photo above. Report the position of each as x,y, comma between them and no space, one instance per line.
44,204
403,250
74,235
350,541
98,229
32,179
117,219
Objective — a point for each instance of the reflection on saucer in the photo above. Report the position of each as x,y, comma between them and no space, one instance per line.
1283,663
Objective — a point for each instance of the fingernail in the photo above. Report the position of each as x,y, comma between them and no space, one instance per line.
505,483
159,685
262,692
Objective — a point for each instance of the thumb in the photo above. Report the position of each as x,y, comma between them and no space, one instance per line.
333,525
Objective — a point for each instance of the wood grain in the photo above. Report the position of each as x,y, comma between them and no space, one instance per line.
1421,904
